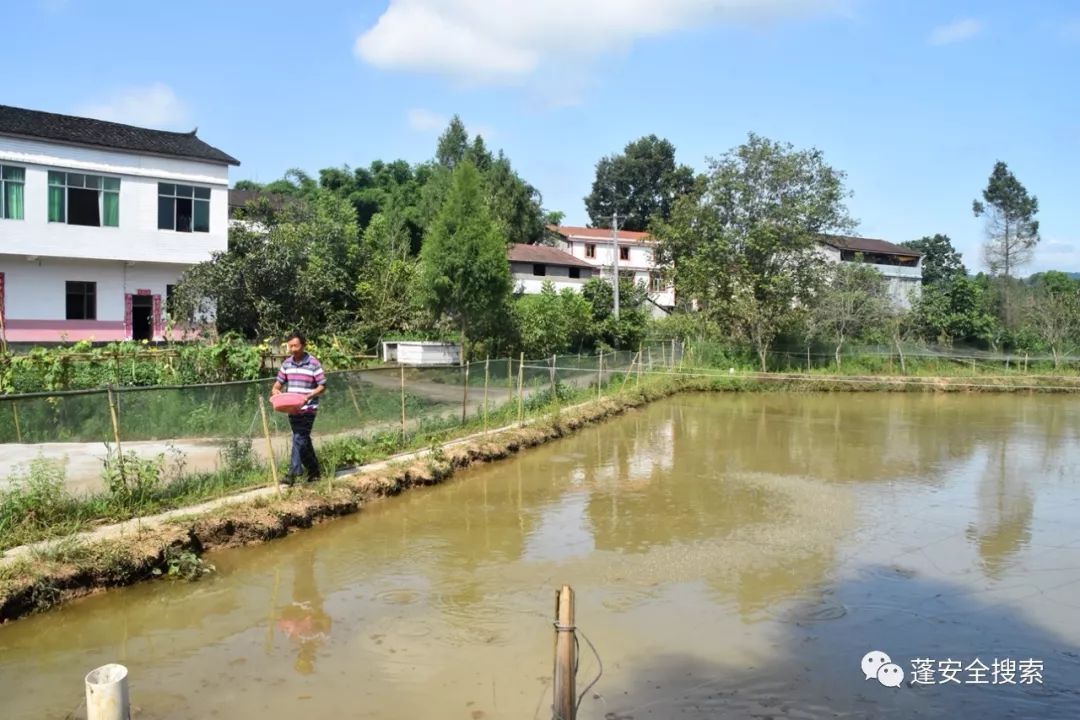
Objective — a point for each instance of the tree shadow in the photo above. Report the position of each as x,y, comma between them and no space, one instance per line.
816,671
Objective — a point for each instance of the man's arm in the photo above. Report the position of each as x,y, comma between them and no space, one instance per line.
276,390
320,387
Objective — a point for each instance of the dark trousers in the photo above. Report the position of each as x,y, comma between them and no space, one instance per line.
303,452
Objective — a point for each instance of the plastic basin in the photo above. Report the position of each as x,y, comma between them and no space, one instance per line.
288,402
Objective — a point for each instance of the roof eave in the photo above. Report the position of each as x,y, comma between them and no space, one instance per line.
98,146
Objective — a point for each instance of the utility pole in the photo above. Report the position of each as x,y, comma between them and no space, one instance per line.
615,261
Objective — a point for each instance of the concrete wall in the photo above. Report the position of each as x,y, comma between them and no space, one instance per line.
641,262
558,275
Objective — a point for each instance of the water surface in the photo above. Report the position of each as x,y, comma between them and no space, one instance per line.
733,556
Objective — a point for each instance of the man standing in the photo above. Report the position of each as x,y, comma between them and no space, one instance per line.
301,373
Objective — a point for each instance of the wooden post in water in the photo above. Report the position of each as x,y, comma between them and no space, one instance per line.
465,395
487,370
269,445
565,694
521,388
402,404
116,430
15,414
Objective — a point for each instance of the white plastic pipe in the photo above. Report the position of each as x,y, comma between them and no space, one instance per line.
107,693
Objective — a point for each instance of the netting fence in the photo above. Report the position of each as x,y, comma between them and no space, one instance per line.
393,405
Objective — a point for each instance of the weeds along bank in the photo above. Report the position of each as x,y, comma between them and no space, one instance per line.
46,575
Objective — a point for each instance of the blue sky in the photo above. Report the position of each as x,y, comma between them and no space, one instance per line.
914,100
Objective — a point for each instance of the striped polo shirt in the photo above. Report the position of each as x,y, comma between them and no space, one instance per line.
302,377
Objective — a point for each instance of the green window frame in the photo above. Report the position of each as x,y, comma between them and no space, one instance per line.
63,187
12,192
183,208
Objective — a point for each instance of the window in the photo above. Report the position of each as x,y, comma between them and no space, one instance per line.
624,253
590,250
575,273
81,300
656,282
79,199
539,269
12,180
183,208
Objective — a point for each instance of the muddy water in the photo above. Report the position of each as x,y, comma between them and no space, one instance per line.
733,557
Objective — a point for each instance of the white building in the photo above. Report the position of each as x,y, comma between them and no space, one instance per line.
901,266
532,265
97,222
636,259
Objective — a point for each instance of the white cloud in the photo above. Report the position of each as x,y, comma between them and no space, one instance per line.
502,43
155,106
955,32
427,121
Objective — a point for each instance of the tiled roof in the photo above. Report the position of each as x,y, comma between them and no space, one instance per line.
522,253
868,245
100,133
238,199
597,233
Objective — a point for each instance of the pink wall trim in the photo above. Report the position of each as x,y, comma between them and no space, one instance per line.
60,330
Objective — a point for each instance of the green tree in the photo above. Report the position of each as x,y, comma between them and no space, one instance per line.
387,274
852,301
552,322
626,331
955,311
640,183
453,145
742,248
1053,312
286,268
464,272
1011,228
940,261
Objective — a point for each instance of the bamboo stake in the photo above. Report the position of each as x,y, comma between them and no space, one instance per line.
628,373
599,375
663,354
672,352
487,370
355,404
18,429
521,386
269,446
554,392
116,431
649,351
403,404
564,691
465,395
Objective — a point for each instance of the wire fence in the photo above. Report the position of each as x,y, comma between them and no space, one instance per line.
202,424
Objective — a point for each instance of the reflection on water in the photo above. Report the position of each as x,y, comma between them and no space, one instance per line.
304,621
733,555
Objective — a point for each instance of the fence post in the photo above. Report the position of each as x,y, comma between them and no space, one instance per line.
565,694
628,373
107,693
15,414
116,431
649,351
521,386
554,389
465,395
402,404
487,369
663,354
269,445
600,375
673,352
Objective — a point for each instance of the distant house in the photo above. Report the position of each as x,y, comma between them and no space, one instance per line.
637,259
901,266
98,220
531,265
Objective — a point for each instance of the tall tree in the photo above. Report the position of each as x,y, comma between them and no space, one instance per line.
464,271
453,144
940,262
1053,312
1011,228
640,183
743,246
384,284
